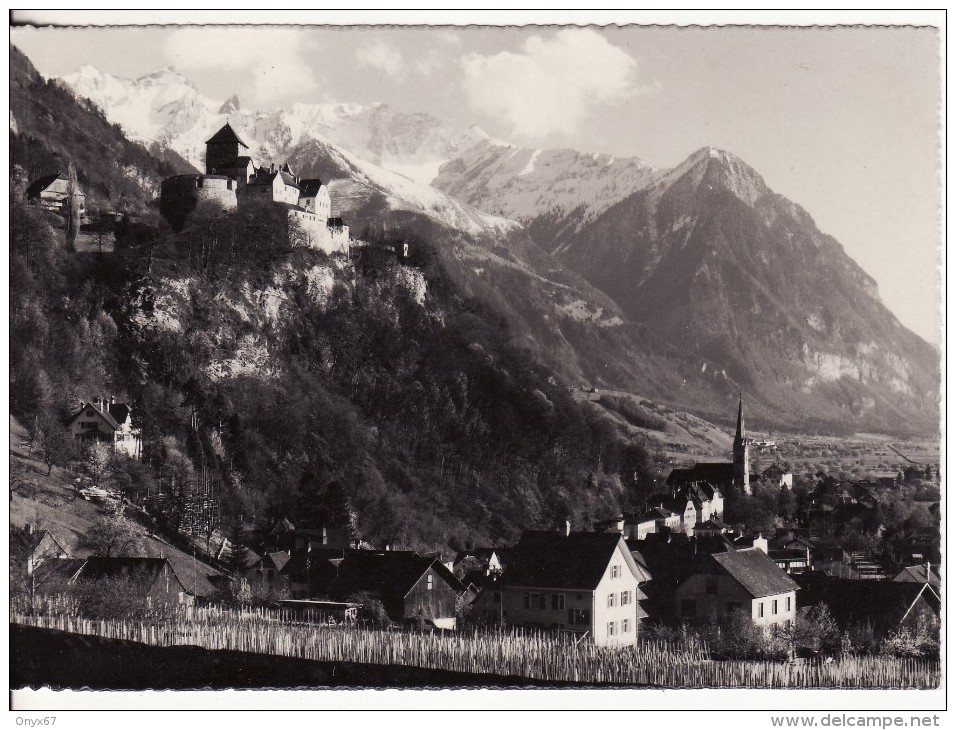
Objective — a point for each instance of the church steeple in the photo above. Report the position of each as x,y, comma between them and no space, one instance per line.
741,451
741,431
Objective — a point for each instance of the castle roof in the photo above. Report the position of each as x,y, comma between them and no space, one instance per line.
310,187
241,161
226,135
266,177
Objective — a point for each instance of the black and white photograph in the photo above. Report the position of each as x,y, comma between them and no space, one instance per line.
553,358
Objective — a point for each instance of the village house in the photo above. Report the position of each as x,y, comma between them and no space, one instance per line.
746,580
584,582
52,192
152,578
264,573
776,476
919,574
884,605
34,547
410,587
105,421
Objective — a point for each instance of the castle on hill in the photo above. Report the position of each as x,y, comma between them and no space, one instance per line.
233,179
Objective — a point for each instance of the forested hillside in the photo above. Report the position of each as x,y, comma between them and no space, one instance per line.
322,389
49,128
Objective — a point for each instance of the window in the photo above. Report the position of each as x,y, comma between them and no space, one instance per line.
537,600
788,604
711,581
541,601
611,628
625,598
615,571
611,600
527,601
430,579
688,607
579,616
557,602
760,610
625,626
774,609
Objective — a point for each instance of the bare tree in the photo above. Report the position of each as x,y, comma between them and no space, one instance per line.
111,537
72,206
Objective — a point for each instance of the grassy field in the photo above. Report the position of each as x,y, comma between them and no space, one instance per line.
48,502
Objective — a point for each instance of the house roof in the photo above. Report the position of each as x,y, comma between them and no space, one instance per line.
755,572
114,414
718,472
283,525
58,570
391,573
310,187
917,574
24,543
481,554
712,524
787,554
148,569
555,560
880,602
651,514
226,134
42,183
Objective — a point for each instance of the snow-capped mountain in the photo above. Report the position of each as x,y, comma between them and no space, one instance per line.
526,184
167,109
354,182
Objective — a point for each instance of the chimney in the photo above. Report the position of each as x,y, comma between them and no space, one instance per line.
760,542
567,527
29,528
112,401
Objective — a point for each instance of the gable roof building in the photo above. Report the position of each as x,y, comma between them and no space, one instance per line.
584,582
106,421
154,577
737,580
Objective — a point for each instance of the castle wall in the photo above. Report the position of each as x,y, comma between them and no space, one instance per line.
317,234
182,194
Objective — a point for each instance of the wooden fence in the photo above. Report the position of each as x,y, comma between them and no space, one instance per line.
502,652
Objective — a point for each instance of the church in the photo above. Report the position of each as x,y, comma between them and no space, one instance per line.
721,474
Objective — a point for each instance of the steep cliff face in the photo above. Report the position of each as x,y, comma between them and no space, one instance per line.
710,258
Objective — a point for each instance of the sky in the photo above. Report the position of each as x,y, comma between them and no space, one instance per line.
843,121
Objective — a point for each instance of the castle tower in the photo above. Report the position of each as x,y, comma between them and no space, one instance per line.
741,452
223,149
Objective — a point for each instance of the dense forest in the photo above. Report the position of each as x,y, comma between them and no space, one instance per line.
386,399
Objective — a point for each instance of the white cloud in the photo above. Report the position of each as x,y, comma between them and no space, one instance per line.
272,58
552,84
382,56
427,65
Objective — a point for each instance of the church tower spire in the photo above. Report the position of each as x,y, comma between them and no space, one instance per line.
741,451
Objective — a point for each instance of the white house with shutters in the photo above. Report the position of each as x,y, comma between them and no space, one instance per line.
584,582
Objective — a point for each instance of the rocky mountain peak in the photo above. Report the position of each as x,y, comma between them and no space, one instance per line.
230,105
